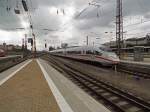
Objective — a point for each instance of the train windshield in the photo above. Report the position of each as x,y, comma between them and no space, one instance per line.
110,54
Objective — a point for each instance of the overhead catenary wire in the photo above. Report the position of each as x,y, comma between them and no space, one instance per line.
92,3
82,11
79,16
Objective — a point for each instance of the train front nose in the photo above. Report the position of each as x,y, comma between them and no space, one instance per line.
115,59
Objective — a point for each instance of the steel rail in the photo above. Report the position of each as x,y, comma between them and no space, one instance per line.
128,97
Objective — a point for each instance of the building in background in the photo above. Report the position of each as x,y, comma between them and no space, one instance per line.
131,42
10,47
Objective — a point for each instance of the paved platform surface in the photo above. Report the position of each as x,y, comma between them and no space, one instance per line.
136,63
35,86
130,60
26,91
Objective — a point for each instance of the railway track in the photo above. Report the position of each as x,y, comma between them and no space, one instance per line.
6,65
114,98
129,70
135,71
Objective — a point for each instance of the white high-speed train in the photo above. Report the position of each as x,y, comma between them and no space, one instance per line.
89,53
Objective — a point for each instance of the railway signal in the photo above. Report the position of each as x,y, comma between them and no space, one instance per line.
45,44
30,40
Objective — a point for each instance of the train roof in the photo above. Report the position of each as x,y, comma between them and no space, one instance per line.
79,48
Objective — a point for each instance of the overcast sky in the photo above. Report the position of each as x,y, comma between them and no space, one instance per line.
71,21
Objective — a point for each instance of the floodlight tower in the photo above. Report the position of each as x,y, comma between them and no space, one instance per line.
119,27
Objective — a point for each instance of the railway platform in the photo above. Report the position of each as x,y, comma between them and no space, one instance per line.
141,63
34,86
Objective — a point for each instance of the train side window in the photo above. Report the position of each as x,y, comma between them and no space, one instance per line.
89,52
83,51
68,52
97,53
77,52
73,52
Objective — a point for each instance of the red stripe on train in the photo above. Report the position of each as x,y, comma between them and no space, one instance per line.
107,59
101,58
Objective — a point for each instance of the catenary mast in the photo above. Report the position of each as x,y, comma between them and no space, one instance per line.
119,27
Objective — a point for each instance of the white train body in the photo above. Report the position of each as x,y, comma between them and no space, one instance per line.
89,53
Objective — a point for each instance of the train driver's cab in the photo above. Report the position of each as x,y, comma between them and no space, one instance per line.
96,52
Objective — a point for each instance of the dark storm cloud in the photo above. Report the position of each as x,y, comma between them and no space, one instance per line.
87,21
48,3
147,16
108,11
44,20
90,18
8,20
136,7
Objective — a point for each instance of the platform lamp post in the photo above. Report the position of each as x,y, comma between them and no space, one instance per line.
87,40
124,41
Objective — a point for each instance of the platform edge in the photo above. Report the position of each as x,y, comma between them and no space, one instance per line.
64,106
